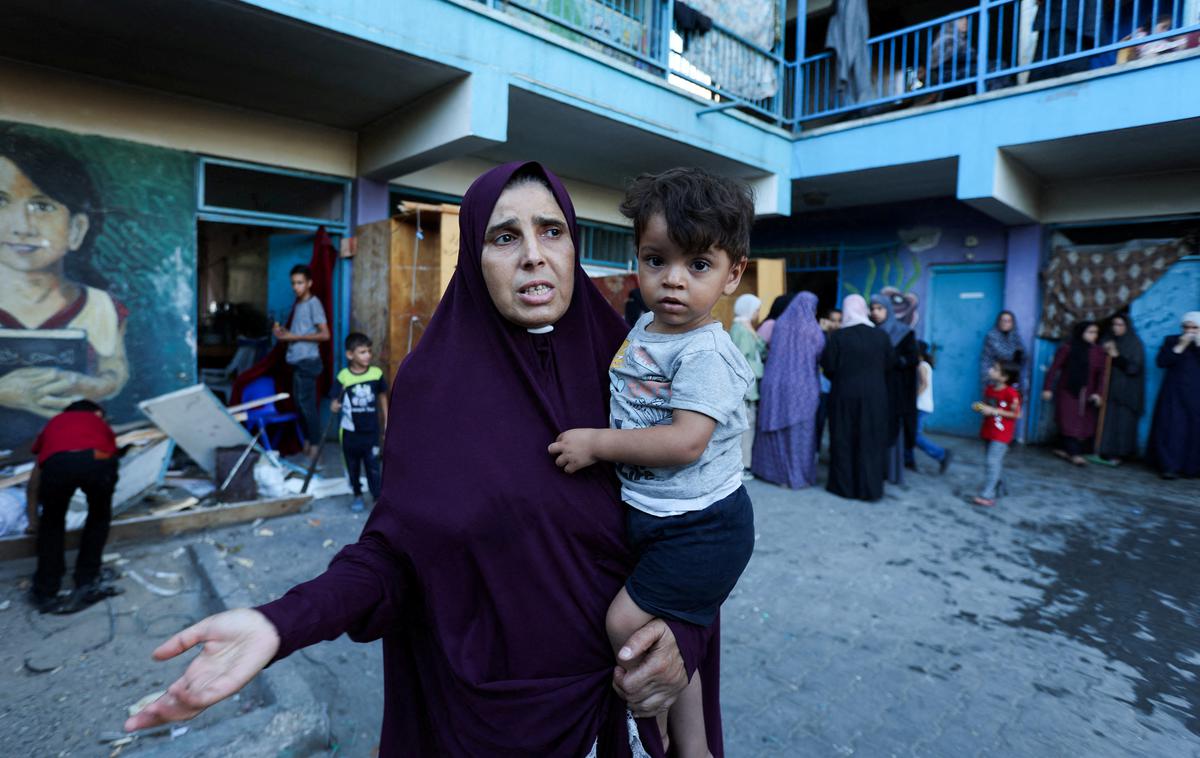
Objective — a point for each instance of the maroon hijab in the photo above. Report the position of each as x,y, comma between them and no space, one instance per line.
485,569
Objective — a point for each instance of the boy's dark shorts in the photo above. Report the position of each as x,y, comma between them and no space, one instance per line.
688,564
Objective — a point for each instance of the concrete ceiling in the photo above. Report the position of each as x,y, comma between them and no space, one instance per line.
889,184
222,51
1157,148
583,145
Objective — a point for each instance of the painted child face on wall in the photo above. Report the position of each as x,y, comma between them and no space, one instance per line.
36,231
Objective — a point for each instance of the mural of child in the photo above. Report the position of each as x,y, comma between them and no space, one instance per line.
49,217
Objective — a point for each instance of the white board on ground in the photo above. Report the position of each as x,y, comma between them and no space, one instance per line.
198,423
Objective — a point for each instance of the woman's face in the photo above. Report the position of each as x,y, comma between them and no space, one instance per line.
1091,333
528,256
879,313
36,231
1119,327
1005,322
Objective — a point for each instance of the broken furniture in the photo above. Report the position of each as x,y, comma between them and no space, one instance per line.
264,415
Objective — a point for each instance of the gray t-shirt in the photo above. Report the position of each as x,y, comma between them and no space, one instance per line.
653,375
305,317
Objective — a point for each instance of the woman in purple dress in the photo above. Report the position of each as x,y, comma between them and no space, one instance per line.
784,446
484,569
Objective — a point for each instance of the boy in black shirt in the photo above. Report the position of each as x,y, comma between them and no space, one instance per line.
360,394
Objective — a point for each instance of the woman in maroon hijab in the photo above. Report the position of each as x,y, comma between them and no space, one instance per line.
485,570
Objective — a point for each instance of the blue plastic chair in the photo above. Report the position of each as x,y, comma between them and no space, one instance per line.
266,416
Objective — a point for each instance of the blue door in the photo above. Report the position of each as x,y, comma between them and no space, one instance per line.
286,249
963,304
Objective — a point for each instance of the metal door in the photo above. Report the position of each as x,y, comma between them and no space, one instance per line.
963,304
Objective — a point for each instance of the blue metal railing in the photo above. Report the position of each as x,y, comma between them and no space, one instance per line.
987,47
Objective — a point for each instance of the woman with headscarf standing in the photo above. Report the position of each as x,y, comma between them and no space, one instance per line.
1175,436
1001,345
1074,383
745,313
1126,391
902,388
785,445
857,359
778,306
485,570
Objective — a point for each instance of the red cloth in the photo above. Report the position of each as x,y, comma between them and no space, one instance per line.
1075,416
74,430
999,428
274,363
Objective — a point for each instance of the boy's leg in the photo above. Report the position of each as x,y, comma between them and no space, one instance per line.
927,446
371,464
304,389
98,484
352,459
57,485
688,735
623,619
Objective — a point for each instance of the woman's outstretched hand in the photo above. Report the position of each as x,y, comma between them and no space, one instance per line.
237,645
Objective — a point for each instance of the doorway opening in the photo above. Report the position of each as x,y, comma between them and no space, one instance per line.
243,288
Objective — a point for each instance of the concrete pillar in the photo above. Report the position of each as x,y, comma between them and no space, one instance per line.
1022,295
371,201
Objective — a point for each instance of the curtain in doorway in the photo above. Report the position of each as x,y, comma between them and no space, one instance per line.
1093,282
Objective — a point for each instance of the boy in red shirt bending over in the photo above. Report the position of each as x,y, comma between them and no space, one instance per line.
1001,407
76,450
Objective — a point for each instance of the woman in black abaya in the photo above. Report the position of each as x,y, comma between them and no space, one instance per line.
856,361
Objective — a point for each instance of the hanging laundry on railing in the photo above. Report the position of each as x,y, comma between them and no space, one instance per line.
690,22
849,30
742,65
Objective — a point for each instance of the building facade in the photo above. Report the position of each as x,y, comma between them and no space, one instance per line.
178,158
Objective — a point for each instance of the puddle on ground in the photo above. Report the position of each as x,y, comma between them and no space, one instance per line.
1130,590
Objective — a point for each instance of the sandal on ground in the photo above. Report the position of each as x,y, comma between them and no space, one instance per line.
1078,460
1062,454
983,501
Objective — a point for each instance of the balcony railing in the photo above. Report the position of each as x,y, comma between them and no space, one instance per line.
990,47
721,65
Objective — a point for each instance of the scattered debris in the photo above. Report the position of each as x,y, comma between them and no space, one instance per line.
147,700
181,505
154,588
244,562
314,522
110,557
178,731
178,552
327,543
265,533
5,605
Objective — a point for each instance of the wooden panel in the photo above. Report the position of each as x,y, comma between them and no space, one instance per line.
368,289
449,245
765,277
168,525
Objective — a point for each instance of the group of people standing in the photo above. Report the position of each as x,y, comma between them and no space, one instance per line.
860,368
1097,383
865,371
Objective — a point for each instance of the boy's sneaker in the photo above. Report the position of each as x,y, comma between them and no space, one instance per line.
357,505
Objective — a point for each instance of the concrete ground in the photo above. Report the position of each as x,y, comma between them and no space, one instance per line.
1062,621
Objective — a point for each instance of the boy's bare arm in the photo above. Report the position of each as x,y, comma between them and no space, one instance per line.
382,411
676,444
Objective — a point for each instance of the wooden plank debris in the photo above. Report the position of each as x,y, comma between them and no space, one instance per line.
168,525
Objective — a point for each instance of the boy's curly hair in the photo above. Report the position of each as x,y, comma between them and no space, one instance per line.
701,209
